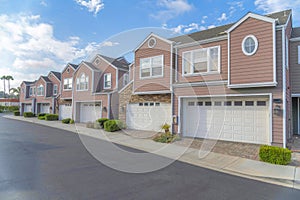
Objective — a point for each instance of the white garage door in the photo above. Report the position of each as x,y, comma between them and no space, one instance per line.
45,108
240,120
65,111
148,115
90,112
27,108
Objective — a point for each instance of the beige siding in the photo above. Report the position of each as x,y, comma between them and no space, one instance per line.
153,84
257,68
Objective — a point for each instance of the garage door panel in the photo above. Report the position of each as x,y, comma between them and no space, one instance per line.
90,111
244,122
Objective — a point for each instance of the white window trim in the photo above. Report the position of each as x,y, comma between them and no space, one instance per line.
79,82
68,84
298,54
105,75
56,89
149,77
256,45
208,61
43,93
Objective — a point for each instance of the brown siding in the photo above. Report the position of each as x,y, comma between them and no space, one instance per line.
257,68
66,94
208,77
153,84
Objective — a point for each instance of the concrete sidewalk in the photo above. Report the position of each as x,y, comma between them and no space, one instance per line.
288,176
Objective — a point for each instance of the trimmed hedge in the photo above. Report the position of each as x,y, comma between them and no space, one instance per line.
41,117
16,113
72,121
101,121
51,117
66,121
113,125
9,108
1,111
28,114
275,155
42,114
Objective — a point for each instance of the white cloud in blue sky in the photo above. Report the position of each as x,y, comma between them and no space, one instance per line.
93,6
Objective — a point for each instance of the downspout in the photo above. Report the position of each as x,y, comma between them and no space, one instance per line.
108,105
284,86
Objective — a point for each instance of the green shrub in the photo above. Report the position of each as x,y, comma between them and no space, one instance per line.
275,155
42,114
1,111
9,108
16,113
113,125
101,121
166,137
41,117
51,117
72,121
66,121
28,114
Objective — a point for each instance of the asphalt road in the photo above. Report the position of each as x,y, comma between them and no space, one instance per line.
38,162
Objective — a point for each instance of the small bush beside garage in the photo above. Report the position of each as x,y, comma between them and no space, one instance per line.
41,116
28,114
101,121
16,113
275,155
66,121
51,117
113,125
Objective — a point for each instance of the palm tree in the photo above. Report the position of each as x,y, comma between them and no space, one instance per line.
8,78
3,78
16,91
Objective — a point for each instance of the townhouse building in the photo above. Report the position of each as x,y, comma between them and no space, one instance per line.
230,82
41,95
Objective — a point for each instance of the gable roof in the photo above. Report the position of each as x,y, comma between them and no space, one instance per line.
56,74
74,66
46,79
117,62
153,35
280,17
29,82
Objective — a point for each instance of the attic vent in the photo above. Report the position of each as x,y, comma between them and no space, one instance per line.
151,42
68,70
97,61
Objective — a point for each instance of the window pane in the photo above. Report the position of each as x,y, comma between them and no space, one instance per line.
249,45
187,62
261,103
238,103
145,63
200,67
157,71
157,61
145,72
214,58
249,103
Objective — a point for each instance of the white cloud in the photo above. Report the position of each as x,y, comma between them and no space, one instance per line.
43,3
29,46
223,17
93,5
171,9
184,29
211,26
203,19
269,6
109,44
235,6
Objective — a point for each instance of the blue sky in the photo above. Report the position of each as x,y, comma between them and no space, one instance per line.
37,36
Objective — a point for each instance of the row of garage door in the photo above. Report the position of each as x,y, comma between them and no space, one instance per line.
235,119
44,108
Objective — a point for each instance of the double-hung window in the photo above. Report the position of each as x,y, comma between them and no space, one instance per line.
201,61
151,67
55,89
40,90
68,84
107,81
125,79
82,82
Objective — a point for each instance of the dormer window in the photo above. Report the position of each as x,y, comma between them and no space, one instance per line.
82,82
40,90
249,45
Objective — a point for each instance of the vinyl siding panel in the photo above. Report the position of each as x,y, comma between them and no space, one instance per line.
66,93
294,67
158,83
257,68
